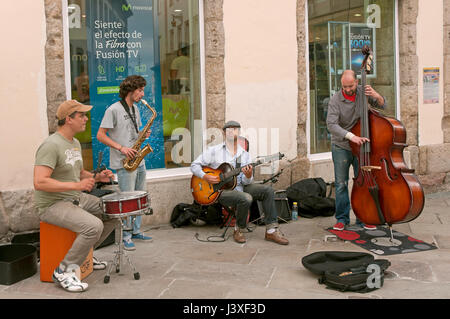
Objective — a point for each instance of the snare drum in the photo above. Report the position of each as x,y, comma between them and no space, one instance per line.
128,203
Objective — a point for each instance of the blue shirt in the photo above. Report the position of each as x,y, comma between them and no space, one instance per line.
216,155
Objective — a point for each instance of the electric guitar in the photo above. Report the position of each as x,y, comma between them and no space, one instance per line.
205,193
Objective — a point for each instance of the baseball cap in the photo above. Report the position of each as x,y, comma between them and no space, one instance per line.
231,124
68,107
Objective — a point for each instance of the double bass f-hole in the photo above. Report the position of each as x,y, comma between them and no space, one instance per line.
391,176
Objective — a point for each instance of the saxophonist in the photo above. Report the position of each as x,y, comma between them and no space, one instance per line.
119,130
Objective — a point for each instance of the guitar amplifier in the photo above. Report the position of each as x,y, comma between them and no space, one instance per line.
281,204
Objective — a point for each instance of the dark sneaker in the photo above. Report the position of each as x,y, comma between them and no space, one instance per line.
277,237
339,226
141,237
68,280
239,236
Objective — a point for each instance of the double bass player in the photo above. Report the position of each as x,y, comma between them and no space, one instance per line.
343,113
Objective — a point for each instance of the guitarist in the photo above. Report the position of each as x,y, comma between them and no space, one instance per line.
245,191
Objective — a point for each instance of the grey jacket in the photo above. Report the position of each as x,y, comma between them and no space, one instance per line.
343,114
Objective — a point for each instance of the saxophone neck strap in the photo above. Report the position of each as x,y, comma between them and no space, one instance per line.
132,117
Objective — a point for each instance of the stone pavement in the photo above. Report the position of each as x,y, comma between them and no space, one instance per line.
175,265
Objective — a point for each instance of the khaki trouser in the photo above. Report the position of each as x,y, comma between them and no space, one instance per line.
86,220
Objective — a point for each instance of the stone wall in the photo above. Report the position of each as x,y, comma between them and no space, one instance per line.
408,64
433,166
54,52
446,72
408,11
214,63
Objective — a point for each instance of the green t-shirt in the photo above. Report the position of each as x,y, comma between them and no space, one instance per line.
64,157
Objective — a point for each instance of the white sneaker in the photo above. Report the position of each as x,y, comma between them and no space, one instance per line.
69,281
98,264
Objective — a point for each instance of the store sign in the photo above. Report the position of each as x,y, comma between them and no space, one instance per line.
360,35
121,42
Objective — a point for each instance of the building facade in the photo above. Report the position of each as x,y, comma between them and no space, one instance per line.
270,65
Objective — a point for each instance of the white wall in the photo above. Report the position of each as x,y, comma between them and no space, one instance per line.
430,54
261,72
23,124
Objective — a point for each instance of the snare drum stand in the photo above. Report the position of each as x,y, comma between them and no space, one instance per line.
120,252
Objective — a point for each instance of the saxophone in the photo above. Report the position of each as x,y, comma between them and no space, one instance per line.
131,164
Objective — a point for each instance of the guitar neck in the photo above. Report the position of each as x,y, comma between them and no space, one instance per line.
266,159
236,171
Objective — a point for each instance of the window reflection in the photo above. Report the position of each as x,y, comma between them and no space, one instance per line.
178,36
333,25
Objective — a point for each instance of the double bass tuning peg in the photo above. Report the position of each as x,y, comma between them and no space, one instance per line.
368,59
366,50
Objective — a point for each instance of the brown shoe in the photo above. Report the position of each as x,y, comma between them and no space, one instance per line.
277,237
239,236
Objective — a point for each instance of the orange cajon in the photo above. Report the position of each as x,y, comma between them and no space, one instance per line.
55,243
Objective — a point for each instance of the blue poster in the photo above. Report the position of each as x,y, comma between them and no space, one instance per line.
362,34
122,40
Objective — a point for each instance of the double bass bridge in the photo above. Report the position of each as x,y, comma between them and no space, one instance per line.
370,168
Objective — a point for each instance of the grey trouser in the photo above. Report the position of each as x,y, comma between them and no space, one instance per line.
243,200
86,220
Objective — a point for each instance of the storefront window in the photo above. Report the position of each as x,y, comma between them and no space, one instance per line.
157,39
337,31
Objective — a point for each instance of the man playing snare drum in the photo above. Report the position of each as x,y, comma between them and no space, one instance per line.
59,182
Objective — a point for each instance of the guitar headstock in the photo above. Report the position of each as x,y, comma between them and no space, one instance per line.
269,158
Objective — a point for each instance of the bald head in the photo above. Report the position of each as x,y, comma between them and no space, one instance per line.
349,82
348,74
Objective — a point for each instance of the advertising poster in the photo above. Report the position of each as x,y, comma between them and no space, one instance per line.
122,40
361,34
430,85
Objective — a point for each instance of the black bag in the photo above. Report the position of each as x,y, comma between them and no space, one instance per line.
183,214
347,271
211,214
311,197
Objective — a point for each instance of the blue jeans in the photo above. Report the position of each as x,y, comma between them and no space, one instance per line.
342,159
128,182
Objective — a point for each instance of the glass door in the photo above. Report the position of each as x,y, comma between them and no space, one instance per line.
338,53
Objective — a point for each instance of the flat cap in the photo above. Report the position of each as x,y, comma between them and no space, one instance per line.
231,124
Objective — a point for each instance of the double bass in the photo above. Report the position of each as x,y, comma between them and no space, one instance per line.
385,190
